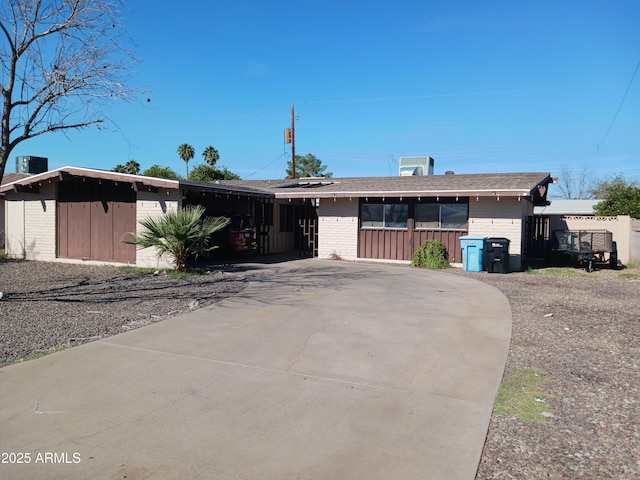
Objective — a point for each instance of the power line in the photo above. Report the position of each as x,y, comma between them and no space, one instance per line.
619,107
267,165
445,95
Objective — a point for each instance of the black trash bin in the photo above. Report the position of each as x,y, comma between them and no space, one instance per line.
496,255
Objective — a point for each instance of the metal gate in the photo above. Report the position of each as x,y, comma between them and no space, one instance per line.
536,236
307,231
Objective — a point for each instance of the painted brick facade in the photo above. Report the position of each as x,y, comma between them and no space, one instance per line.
34,239
338,228
503,218
153,205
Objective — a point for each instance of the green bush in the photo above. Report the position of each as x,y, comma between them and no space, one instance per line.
431,254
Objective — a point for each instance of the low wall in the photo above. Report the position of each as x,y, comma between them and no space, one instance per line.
634,242
619,226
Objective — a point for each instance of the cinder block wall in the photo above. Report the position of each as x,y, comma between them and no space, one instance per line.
619,226
338,228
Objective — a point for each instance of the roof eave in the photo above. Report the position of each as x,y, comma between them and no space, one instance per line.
408,193
60,173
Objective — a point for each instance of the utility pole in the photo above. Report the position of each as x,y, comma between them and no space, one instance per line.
290,137
293,142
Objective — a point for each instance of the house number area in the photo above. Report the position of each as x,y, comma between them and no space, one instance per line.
40,457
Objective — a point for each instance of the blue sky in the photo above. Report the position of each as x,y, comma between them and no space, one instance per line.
482,87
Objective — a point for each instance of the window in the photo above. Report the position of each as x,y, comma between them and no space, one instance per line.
453,216
427,216
390,215
450,216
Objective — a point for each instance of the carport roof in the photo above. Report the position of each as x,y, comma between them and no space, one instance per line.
530,184
139,182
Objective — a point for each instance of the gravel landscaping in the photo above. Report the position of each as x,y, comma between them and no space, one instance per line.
582,332
47,306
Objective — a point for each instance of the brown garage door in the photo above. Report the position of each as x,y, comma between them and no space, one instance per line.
94,229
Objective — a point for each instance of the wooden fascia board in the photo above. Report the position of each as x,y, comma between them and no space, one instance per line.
143,187
30,188
407,194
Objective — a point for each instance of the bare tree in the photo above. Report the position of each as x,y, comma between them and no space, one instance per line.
575,184
62,61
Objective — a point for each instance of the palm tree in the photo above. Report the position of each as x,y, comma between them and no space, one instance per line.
132,167
119,168
186,153
182,234
211,155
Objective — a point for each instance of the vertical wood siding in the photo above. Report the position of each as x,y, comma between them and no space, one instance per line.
391,244
95,230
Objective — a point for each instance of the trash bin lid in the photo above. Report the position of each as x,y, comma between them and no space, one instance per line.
498,240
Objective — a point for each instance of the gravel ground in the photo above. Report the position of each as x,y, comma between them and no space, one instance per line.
584,332
46,306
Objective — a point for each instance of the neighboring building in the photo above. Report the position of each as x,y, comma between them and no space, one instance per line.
559,207
76,214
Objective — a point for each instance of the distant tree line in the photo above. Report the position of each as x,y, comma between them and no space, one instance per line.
618,195
203,173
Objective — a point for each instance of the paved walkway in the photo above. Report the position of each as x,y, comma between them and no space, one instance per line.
318,370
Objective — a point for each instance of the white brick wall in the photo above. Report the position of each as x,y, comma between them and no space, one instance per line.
152,205
338,228
503,218
31,225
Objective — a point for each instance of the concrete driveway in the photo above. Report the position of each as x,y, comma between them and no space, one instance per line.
318,370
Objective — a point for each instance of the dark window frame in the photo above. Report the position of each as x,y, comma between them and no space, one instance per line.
387,218
443,223
447,208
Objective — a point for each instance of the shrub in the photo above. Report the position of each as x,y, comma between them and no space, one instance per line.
431,254
182,234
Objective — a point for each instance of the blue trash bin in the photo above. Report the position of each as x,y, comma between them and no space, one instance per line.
472,253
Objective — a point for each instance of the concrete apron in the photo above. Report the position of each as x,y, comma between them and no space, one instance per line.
318,370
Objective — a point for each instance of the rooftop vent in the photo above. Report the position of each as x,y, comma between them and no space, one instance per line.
408,166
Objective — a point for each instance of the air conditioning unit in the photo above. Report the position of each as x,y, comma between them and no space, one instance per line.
408,166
